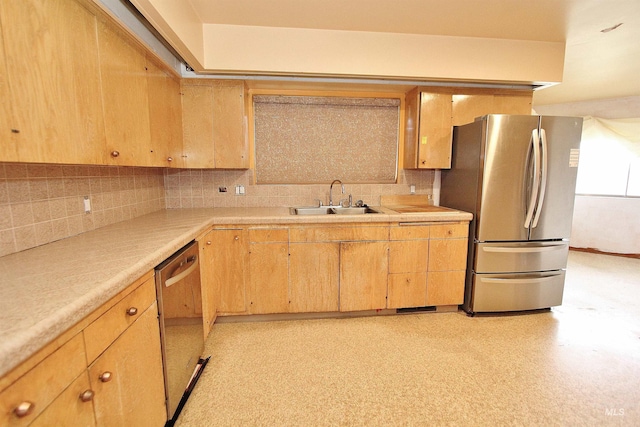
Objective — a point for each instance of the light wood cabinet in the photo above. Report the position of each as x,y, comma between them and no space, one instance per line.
57,371
207,280
230,253
63,385
408,264
8,137
165,117
447,264
134,392
125,99
314,274
363,275
467,107
431,113
213,120
268,270
52,79
427,130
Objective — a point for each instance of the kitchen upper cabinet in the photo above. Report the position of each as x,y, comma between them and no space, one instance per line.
447,264
431,114
213,120
467,107
427,130
8,137
123,70
230,253
363,275
50,75
165,116
268,270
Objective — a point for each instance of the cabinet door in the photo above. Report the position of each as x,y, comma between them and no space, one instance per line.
165,116
8,137
229,253
54,81
268,278
447,264
197,125
229,141
207,279
134,394
466,108
407,290
43,384
73,407
313,276
213,123
434,136
125,99
363,275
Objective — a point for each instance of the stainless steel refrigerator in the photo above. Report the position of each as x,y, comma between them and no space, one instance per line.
517,175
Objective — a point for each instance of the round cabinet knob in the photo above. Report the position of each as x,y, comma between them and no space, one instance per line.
236,238
208,242
115,153
169,159
132,311
87,395
105,377
24,409
449,232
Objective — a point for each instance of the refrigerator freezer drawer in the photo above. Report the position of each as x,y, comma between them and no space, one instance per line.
516,292
521,256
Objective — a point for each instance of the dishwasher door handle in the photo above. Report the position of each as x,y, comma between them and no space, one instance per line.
175,279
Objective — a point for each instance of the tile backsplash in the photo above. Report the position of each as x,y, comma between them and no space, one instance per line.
201,188
41,203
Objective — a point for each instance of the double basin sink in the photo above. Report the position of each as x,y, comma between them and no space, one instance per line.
332,210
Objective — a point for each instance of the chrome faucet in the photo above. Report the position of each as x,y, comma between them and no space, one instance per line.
331,190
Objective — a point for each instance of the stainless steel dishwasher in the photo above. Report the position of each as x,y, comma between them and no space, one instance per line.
181,328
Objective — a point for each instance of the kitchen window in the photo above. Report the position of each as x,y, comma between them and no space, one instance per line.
609,158
316,139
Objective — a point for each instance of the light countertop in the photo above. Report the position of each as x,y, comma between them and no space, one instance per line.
46,290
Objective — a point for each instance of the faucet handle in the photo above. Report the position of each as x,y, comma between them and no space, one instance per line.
319,202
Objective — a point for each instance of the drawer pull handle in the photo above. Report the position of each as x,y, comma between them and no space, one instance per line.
132,311
105,377
236,238
208,242
169,159
24,409
115,153
87,395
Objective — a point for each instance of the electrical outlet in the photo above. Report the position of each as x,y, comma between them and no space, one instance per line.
240,190
412,189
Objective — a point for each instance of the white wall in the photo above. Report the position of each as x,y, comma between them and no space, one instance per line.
608,224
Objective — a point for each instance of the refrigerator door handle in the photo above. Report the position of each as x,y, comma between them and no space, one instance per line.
535,142
546,278
543,174
536,249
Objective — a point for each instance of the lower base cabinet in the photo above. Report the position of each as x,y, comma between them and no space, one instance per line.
313,277
364,267
127,378
62,385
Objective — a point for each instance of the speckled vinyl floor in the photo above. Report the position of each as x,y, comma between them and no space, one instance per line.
578,364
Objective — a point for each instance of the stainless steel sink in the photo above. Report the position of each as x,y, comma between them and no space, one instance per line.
330,210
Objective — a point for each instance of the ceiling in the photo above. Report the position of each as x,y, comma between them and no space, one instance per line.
598,64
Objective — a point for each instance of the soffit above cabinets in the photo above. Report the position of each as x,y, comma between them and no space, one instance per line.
543,43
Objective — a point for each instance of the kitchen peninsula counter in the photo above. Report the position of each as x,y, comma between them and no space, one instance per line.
48,289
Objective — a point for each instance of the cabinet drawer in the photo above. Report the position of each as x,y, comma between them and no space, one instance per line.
408,256
69,409
44,383
262,235
446,231
409,232
101,333
337,234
